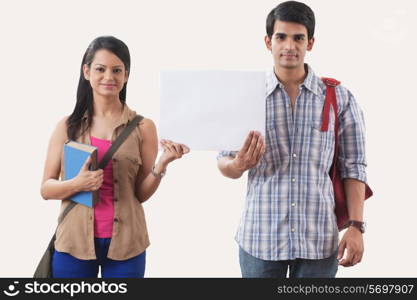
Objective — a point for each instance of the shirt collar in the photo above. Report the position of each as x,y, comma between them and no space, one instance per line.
272,82
312,82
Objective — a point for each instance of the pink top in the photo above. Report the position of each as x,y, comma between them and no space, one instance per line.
104,210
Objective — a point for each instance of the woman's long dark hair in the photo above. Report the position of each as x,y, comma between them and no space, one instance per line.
85,92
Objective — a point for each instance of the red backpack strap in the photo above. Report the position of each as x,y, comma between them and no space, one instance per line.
330,100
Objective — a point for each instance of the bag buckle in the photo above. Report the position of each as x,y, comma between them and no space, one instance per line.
330,81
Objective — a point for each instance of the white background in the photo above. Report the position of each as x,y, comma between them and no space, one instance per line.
369,45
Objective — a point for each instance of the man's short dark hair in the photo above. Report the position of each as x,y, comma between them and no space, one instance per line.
291,11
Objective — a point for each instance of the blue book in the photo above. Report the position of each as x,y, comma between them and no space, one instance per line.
75,155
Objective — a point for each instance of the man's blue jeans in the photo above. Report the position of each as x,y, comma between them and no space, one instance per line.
253,267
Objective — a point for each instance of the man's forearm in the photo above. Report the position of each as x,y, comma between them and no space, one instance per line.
228,168
355,197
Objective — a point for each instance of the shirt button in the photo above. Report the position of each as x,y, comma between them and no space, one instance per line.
116,220
294,155
115,181
292,229
293,180
293,204
114,160
115,199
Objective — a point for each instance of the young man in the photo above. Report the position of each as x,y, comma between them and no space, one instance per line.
288,221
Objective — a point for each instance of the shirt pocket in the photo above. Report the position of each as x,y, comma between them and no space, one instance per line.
322,145
132,164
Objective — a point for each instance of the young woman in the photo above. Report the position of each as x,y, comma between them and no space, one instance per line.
113,234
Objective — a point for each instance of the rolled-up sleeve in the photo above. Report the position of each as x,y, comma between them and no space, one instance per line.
352,158
226,153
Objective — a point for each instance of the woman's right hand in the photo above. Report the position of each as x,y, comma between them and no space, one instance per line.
87,180
172,151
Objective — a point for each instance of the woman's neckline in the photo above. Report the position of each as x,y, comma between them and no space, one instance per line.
99,139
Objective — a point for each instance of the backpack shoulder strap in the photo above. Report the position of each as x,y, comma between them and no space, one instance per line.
330,100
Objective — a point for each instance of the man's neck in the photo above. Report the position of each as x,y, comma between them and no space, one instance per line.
291,77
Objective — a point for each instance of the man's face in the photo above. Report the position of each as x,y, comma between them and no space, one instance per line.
289,44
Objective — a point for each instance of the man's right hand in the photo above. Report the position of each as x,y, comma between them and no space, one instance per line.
251,152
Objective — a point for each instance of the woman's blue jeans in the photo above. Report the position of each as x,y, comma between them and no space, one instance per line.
66,266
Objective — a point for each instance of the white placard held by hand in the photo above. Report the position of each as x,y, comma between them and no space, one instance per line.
211,110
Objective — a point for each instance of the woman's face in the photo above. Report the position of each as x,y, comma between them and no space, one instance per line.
107,74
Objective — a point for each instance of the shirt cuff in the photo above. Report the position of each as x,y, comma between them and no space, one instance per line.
355,172
226,153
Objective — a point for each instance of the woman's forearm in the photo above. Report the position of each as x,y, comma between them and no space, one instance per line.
53,189
150,184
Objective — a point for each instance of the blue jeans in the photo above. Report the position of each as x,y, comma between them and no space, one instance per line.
298,268
65,265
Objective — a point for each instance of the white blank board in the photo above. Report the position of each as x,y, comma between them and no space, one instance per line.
211,110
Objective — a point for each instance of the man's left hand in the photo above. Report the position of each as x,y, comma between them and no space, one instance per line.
352,242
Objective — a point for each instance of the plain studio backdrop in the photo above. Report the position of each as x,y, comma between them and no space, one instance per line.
368,45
